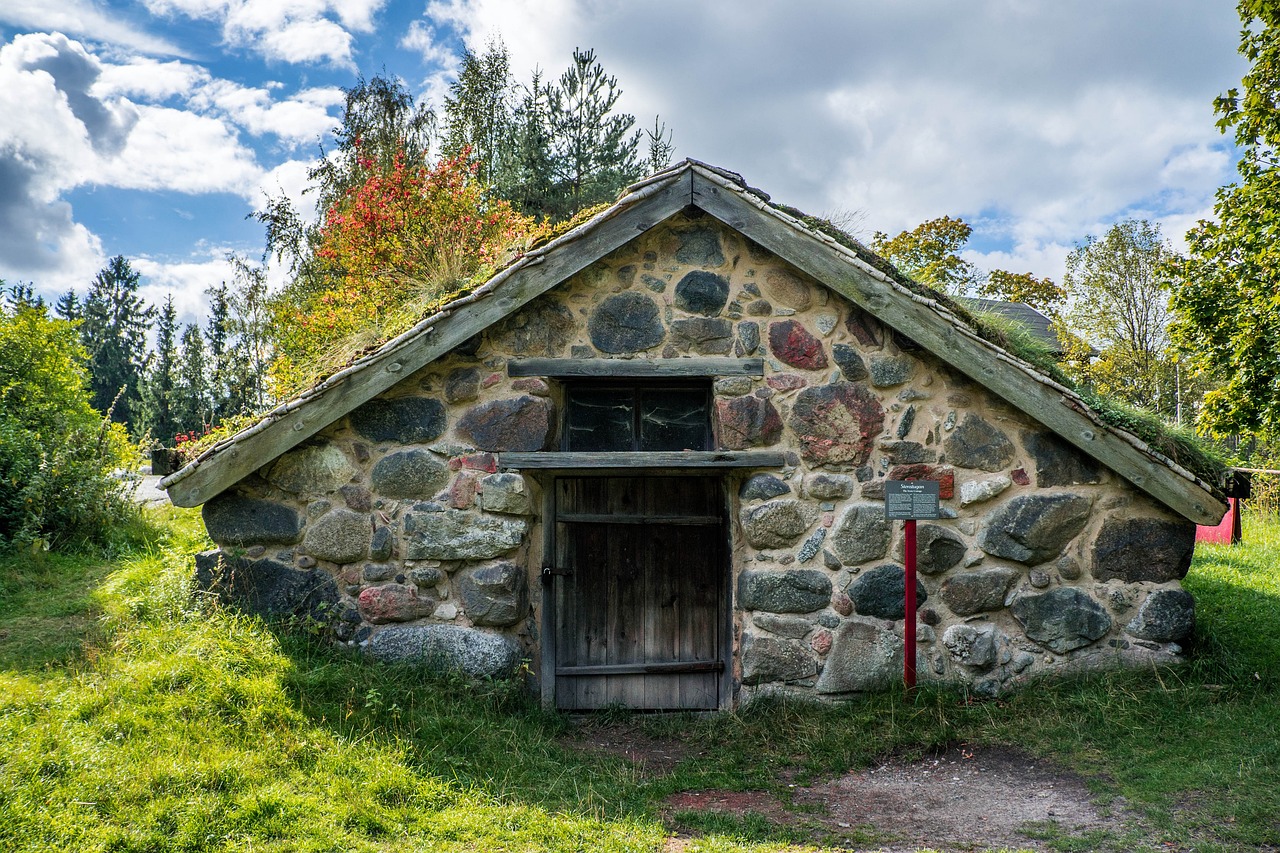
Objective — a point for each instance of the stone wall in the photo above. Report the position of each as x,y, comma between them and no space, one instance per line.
396,522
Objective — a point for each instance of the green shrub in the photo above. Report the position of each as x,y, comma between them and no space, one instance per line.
56,452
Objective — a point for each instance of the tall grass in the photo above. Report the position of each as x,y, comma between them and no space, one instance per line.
186,727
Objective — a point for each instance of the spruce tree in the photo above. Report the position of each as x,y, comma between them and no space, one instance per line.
191,388
68,306
158,389
218,352
114,332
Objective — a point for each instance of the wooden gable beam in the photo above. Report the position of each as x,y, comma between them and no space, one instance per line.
972,356
250,452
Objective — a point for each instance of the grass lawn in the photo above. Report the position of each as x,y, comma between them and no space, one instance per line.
131,719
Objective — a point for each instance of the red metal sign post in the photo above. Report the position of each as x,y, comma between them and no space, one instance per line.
910,500
909,615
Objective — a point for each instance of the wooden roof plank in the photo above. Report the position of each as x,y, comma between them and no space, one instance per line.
920,320
244,456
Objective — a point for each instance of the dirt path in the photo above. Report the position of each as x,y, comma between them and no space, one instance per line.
966,798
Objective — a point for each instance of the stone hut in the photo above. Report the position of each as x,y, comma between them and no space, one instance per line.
647,461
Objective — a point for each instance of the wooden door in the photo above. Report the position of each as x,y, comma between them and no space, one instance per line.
638,594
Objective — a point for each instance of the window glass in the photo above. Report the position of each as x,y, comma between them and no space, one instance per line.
600,419
673,419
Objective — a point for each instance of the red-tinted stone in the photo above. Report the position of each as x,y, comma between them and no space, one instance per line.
865,328
394,603
522,423
486,462
792,343
462,491
786,382
837,424
1020,477
945,477
821,642
491,380
842,603
747,422
533,385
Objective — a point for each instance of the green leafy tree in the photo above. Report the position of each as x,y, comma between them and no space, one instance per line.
56,453
930,253
251,328
479,114
114,331
158,388
1226,305
1119,287
1043,294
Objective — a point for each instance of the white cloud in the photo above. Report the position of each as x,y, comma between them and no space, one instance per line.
173,149
86,20
295,31
1036,122
296,120
142,78
186,280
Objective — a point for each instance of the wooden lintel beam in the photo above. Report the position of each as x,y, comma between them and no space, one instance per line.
675,460
635,368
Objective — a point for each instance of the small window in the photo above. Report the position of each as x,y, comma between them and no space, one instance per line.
620,418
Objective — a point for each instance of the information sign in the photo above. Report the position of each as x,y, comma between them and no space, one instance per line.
911,499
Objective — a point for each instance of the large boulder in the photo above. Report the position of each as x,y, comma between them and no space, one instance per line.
863,657
449,648
701,292
405,420
339,536
1062,619
1034,529
267,588
1167,616
519,424
456,535
1143,549
496,594
1058,463
394,602
766,659
626,322
861,534
316,469
240,522
776,524
795,345
409,474
541,328
507,493
881,592
836,424
747,422
977,444
703,335
977,592
788,591
971,646
937,549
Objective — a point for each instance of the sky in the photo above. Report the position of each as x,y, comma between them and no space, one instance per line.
153,129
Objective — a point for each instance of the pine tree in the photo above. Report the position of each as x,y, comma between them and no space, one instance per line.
191,389
594,149
158,390
529,180
114,332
